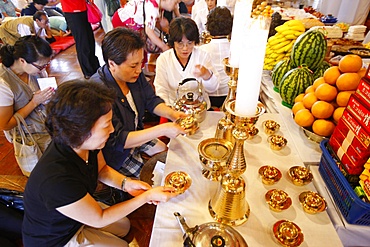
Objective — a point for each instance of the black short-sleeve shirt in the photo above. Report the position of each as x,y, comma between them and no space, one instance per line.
60,178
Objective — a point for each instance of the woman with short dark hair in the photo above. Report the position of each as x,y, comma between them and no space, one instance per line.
123,53
219,25
59,207
184,60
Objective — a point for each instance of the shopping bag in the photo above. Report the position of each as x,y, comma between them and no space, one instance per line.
26,150
94,15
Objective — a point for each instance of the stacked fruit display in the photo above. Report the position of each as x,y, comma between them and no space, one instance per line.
281,44
322,104
292,76
262,9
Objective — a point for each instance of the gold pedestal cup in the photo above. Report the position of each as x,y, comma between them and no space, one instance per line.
229,205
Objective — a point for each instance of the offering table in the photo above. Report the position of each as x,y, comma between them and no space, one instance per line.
257,231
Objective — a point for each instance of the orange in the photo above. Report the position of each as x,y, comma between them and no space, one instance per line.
318,82
362,72
309,99
350,63
331,75
326,92
310,89
323,127
348,81
297,106
322,109
338,113
299,98
304,118
343,97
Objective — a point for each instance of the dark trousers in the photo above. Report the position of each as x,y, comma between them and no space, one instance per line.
10,225
85,41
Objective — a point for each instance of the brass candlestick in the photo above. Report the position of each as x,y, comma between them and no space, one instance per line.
226,124
229,205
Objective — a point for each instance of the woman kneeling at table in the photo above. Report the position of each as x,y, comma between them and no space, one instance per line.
183,61
123,53
59,207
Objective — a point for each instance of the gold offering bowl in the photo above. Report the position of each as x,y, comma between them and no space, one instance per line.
278,200
277,142
287,233
213,154
300,175
179,180
269,174
270,127
189,123
312,202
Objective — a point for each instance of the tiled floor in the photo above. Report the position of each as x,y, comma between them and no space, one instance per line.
65,67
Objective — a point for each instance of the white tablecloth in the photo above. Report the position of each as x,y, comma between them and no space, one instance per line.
308,150
257,231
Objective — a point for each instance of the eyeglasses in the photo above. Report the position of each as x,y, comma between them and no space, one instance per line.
41,67
181,44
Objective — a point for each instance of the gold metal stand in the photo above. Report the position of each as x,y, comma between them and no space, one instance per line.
229,205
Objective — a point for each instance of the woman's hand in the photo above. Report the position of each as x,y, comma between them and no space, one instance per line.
172,130
42,96
202,72
160,194
136,187
178,114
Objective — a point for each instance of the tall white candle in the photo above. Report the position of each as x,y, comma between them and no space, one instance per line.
250,68
242,12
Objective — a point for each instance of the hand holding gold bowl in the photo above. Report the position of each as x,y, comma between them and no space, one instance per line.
189,123
312,202
277,142
270,127
179,180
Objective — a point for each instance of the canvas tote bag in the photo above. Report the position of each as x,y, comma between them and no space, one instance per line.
26,150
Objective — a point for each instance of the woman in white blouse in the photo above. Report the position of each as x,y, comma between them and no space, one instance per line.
184,60
219,25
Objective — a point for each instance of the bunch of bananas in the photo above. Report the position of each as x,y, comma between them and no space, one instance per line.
280,45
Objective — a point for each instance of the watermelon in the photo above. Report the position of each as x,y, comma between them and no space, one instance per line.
319,72
309,49
294,82
279,71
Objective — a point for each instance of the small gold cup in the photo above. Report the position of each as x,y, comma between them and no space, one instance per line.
278,200
300,175
277,142
288,233
269,174
312,202
270,127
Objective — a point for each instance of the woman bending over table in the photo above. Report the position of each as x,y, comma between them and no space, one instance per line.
184,60
20,93
123,53
59,207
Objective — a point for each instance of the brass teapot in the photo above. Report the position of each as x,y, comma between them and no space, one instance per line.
190,100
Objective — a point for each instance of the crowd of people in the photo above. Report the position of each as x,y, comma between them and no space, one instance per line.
100,138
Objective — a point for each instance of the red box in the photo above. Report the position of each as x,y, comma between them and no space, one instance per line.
349,141
363,91
359,111
348,122
353,162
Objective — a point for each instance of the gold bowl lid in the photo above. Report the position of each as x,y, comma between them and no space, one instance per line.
287,233
270,126
269,174
300,175
180,180
278,200
277,142
312,202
